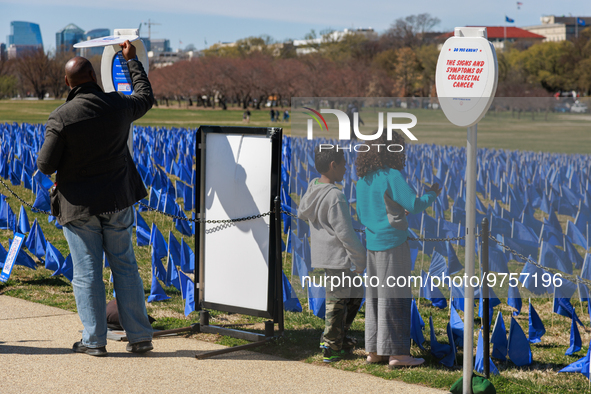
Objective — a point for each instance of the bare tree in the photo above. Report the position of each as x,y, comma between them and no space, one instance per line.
410,31
33,68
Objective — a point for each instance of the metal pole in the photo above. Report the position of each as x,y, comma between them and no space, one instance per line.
485,300
469,262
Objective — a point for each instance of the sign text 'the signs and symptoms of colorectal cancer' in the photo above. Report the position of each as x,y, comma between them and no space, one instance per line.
466,76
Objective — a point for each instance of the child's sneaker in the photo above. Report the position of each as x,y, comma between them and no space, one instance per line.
330,355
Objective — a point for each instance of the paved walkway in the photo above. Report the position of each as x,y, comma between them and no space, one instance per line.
36,356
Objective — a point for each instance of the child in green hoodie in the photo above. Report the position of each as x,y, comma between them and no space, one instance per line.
335,248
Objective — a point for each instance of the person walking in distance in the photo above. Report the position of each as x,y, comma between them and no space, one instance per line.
96,186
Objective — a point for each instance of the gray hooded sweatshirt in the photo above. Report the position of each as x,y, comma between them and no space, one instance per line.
333,240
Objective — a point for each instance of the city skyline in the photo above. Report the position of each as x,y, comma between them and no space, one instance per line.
185,24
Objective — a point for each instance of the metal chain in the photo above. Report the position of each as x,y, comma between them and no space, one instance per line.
23,201
176,217
572,278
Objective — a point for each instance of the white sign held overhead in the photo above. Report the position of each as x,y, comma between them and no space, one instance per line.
466,76
104,41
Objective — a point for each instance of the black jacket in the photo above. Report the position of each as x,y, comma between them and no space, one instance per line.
86,142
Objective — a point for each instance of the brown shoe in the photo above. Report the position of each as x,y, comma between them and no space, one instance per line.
373,358
404,361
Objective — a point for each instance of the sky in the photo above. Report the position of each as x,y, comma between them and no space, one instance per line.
202,24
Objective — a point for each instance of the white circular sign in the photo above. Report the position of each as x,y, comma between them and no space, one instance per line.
104,41
466,79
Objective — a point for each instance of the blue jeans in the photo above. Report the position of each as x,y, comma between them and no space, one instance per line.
87,238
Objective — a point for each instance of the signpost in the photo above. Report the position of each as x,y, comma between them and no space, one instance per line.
466,81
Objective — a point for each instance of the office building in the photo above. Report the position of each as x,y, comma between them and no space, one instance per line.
91,35
560,28
67,37
23,37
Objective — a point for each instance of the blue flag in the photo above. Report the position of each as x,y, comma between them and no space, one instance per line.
188,291
159,246
317,300
579,366
142,231
156,291
457,327
68,268
42,201
187,258
531,278
36,240
536,327
290,299
438,350
479,361
575,339
183,226
438,265
454,265
514,300
23,221
416,330
450,359
53,259
499,338
518,348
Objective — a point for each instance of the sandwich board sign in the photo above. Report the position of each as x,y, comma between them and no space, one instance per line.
466,76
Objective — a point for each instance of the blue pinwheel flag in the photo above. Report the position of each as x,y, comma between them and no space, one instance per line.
317,300
290,299
518,348
536,327
499,338
438,350
479,361
575,339
156,291
142,231
23,221
416,330
188,291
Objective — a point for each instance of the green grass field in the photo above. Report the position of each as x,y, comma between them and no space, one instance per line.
559,133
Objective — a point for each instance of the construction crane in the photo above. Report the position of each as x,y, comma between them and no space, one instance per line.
149,23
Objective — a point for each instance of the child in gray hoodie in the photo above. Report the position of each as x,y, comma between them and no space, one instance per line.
335,248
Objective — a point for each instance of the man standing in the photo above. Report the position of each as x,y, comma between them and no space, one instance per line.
97,184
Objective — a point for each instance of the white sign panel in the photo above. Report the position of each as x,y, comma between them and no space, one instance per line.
466,76
104,41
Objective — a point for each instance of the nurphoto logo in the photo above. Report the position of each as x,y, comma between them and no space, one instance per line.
345,125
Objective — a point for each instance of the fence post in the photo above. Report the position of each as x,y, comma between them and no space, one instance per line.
485,299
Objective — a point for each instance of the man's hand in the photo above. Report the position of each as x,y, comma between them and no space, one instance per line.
435,188
128,50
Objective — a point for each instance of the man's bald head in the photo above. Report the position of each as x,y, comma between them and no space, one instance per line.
78,71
